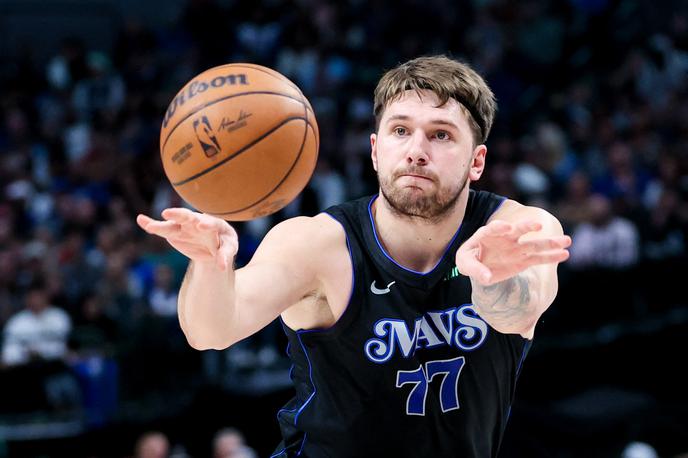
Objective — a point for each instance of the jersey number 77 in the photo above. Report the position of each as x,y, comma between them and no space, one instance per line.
419,378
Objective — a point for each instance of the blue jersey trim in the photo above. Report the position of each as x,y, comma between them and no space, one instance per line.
377,240
526,348
300,409
497,207
310,377
353,284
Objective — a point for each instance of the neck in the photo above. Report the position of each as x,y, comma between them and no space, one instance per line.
417,243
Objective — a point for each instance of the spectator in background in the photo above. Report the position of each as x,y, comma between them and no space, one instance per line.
624,180
574,208
68,66
38,332
606,240
102,92
230,443
34,353
94,333
153,444
163,296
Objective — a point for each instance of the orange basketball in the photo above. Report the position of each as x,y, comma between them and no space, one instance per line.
239,141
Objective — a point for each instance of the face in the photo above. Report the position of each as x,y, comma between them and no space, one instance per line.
425,156
227,445
37,300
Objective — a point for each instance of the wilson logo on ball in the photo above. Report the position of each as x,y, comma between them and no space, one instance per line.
197,87
206,136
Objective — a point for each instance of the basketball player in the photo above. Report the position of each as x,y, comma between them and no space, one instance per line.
409,313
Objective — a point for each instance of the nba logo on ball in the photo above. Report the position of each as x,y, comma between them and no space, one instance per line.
206,136
249,149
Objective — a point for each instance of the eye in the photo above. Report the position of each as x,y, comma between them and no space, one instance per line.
401,131
442,135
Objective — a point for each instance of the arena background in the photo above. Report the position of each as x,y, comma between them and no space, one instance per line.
592,125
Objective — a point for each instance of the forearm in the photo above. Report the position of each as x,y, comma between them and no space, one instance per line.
206,306
512,305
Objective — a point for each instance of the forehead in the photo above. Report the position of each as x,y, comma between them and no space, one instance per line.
422,105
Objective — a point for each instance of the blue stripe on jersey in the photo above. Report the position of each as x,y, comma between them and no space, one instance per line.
310,377
526,347
298,410
496,208
377,240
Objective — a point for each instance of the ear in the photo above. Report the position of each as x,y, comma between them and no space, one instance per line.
478,164
373,150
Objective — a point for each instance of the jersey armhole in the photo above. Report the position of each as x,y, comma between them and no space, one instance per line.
346,316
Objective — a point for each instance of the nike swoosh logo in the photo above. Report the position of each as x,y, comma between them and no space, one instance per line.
379,291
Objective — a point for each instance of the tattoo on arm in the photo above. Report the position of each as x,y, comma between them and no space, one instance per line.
506,302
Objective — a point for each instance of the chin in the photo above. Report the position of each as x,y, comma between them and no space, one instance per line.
423,200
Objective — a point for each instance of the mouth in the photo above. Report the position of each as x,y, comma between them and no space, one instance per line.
412,175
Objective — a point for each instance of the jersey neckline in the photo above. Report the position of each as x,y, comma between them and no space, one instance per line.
388,263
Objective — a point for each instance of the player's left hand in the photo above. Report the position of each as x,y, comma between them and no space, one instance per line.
498,251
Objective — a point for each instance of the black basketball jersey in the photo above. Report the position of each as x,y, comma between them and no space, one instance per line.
409,369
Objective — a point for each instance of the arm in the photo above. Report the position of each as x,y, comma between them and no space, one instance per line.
512,263
219,306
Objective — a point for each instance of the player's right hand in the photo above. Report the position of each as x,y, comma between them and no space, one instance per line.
202,238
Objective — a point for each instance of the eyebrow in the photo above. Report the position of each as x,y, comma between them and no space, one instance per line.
442,122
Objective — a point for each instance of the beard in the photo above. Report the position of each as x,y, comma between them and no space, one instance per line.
412,202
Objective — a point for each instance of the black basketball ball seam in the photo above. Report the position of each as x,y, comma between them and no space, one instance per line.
298,157
277,76
284,79
205,105
238,152
296,160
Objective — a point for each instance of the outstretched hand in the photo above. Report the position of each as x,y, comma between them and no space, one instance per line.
202,238
498,251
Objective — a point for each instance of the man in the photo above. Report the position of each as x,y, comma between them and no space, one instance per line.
408,314
34,350
152,444
39,332
230,443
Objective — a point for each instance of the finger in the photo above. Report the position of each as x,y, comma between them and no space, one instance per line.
179,215
471,267
547,257
495,228
211,223
226,251
550,243
162,228
143,220
523,227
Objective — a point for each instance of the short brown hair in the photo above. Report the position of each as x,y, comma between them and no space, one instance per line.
447,78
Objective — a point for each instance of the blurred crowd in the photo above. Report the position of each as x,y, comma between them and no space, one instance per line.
592,125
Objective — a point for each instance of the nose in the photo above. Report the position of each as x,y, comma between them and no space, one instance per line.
417,153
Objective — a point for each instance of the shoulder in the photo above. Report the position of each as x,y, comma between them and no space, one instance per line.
512,211
307,232
57,315
302,239
22,318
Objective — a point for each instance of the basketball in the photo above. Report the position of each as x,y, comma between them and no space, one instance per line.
239,141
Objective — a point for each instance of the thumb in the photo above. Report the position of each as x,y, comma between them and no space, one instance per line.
468,264
226,250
